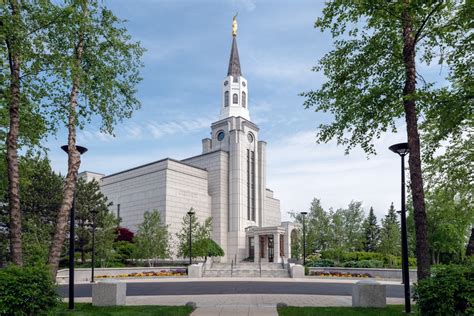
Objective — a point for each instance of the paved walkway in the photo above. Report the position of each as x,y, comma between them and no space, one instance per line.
242,304
245,304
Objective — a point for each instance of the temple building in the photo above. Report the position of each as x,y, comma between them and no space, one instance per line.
227,182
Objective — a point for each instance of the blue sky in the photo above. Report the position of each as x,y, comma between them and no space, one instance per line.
188,46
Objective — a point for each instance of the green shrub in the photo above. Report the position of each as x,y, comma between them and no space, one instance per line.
449,291
321,263
313,257
27,291
361,255
347,259
124,250
363,264
332,254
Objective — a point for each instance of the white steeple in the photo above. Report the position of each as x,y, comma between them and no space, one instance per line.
234,86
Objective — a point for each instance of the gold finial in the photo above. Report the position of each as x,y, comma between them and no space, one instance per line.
234,24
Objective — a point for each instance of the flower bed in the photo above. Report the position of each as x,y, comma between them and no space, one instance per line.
161,273
340,274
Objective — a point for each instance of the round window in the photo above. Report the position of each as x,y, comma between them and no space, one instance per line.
220,136
243,83
250,137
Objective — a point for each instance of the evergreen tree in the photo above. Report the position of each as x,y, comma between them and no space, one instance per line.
371,232
88,199
390,234
152,238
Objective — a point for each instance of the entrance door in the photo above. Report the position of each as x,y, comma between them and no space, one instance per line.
251,249
270,248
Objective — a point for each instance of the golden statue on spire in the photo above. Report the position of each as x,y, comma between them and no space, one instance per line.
234,24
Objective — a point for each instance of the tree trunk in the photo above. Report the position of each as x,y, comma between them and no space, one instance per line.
416,181
470,245
12,142
74,161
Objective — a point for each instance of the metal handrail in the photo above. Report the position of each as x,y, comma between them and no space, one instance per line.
235,259
231,267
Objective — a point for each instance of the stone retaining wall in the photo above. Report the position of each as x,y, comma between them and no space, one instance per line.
376,273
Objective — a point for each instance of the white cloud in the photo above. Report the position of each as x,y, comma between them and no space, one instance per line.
248,5
186,126
299,170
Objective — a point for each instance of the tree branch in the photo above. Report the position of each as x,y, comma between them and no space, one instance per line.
52,21
425,20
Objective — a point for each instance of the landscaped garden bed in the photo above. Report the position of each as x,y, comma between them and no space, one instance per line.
340,274
161,273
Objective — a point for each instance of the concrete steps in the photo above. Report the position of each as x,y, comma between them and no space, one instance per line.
247,269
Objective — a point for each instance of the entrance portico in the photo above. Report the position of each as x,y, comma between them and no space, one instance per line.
267,244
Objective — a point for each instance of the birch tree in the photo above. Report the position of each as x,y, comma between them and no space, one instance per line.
97,65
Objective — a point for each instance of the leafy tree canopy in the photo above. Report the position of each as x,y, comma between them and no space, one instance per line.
366,75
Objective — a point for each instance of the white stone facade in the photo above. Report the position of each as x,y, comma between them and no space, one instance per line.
226,182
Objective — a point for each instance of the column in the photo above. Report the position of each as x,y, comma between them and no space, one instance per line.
256,239
276,247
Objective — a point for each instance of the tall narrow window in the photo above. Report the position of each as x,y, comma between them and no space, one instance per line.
226,98
244,99
250,185
118,212
235,98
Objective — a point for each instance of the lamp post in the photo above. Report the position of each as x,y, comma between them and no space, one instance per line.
94,213
190,213
402,150
72,224
304,238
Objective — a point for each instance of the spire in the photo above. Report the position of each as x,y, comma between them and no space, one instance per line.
234,62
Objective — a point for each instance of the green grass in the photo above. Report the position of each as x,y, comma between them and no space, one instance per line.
342,311
83,309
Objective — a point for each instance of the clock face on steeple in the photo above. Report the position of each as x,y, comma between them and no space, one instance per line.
220,136
250,137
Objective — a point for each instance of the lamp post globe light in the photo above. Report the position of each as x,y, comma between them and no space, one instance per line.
190,213
304,237
94,213
402,150
72,234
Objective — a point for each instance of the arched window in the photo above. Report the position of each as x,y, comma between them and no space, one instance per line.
235,98
226,98
244,99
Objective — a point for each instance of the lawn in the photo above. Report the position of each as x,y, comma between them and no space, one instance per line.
341,311
83,309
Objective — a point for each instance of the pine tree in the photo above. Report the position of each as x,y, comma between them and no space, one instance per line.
371,232
88,199
390,234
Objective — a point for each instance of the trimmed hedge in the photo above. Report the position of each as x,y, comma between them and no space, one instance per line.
27,291
363,264
320,263
449,291
388,261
